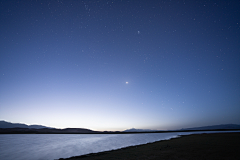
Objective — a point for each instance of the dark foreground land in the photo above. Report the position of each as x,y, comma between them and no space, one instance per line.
215,146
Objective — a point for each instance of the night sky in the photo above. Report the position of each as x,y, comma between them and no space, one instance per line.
119,64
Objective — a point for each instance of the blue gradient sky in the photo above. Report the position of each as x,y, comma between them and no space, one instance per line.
65,63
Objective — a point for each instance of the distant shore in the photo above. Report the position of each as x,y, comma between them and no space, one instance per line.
196,146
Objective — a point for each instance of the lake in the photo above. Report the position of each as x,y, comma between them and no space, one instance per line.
55,146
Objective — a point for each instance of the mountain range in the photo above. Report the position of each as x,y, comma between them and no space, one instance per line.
213,127
7,127
19,128
4,124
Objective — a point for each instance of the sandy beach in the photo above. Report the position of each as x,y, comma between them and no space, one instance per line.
214,146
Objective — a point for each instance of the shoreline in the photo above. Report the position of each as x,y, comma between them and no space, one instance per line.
193,146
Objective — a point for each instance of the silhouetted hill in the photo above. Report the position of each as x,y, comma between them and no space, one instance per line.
19,128
45,131
139,130
4,124
213,127
77,130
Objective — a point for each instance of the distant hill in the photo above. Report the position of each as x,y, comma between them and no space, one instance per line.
45,131
19,128
139,130
4,124
213,127
221,126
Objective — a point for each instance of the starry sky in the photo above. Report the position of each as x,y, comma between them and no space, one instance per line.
118,64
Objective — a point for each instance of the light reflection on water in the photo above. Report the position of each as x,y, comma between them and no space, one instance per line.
55,146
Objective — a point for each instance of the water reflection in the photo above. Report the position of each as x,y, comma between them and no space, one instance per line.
55,146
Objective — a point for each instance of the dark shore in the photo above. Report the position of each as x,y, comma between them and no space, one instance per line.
214,146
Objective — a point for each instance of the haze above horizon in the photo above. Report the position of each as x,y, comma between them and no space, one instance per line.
114,65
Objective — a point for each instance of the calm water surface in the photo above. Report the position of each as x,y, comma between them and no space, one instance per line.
55,146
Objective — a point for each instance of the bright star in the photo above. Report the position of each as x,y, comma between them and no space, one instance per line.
126,82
